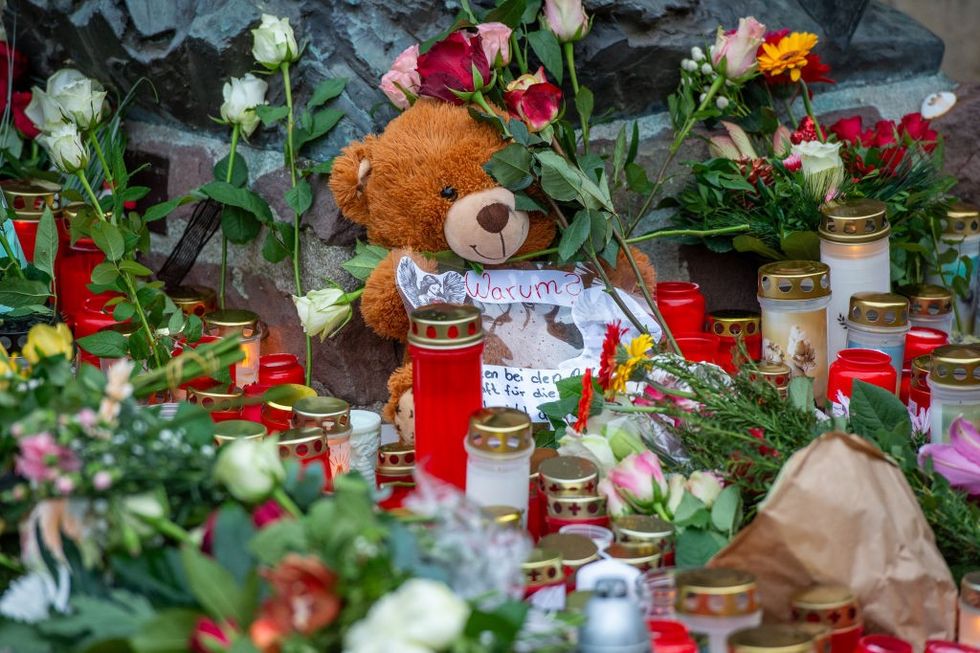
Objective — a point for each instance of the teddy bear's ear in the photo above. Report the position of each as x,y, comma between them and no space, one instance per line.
348,179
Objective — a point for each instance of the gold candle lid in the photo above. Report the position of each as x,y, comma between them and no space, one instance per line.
856,221
396,459
238,429
970,589
232,318
879,309
28,197
301,443
641,528
638,554
287,394
568,476
329,414
794,280
928,300
920,370
217,397
193,300
833,606
771,639
956,365
503,515
576,508
717,592
445,326
778,374
575,550
538,456
500,432
733,323
543,567
961,219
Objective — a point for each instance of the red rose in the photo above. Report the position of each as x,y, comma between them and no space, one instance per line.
268,513
533,100
21,121
19,66
448,66
890,159
917,128
207,636
848,129
303,600
884,133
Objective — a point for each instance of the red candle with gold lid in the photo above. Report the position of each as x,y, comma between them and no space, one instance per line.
396,463
193,300
835,607
543,569
566,510
222,401
868,365
568,476
28,198
306,445
277,411
732,326
332,417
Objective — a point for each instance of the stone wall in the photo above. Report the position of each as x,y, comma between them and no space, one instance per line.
885,63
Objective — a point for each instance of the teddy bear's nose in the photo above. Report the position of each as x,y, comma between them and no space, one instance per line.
493,217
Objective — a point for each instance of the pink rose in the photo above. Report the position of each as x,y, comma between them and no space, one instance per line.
533,100
403,79
640,480
43,459
208,636
496,43
705,486
616,506
566,19
738,48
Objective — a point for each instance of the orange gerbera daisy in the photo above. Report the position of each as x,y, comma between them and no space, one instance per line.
788,55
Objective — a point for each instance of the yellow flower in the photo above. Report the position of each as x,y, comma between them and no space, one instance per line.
7,367
636,352
44,341
787,55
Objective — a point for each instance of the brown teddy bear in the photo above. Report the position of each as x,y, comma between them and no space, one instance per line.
420,186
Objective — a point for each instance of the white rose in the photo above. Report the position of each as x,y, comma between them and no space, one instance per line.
274,42
704,486
43,111
818,157
82,100
65,147
241,96
135,509
676,484
323,312
250,469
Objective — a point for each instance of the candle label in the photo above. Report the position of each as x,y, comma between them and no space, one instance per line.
542,325
798,339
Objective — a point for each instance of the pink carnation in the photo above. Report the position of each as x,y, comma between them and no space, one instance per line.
43,459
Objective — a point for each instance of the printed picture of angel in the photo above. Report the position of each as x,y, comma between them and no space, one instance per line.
421,288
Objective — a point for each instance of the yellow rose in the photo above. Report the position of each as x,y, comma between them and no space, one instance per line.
45,341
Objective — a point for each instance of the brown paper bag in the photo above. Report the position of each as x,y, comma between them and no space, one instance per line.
841,513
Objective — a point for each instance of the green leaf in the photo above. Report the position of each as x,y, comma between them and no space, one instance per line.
636,179
564,182
874,409
600,232
366,259
511,167
548,51
300,197
801,393
109,239
46,243
104,274
134,268
584,104
104,344
22,638
239,174
691,511
726,513
508,12
232,531
270,114
241,197
634,143
163,209
272,249
276,540
801,245
193,328
168,632
123,311
619,153
745,243
323,168
322,122
524,202
176,322
696,547
575,235
531,11
211,584
238,225
325,91
520,133
16,292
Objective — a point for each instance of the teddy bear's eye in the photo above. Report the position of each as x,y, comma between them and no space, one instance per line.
448,192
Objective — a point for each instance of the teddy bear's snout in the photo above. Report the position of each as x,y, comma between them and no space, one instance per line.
494,217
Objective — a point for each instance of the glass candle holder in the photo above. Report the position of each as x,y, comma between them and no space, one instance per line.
568,476
542,569
879,321
245,325
919,393
126,329
669,636
646,529
868,365
28,198
332,417
682,305
968,624
306,445
794,296
714,603
536,498
365,438
565,510
883,644
498,449
277,369
854,245
834,607
223,402
777,375
601,536
699,347
277,411
930,306
954,385
194,300
93,317
639,555
202,381
961,234
922,341
237,429
771,639
732,326
396,463
576,552
445,342
73,273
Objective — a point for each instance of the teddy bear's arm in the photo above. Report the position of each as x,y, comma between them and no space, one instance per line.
381,305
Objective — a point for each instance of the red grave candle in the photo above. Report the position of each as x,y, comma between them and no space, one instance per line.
923,340
868,365
731,326
396,462
74,273
445,342
276,369
698,347
93,317
682,305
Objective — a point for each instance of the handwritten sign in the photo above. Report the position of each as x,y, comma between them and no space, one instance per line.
522,388
524,286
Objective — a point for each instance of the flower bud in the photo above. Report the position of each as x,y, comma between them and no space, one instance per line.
705,486
241,96
495,39
65,147
250,469
566,19
323,312
273,42
401,84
